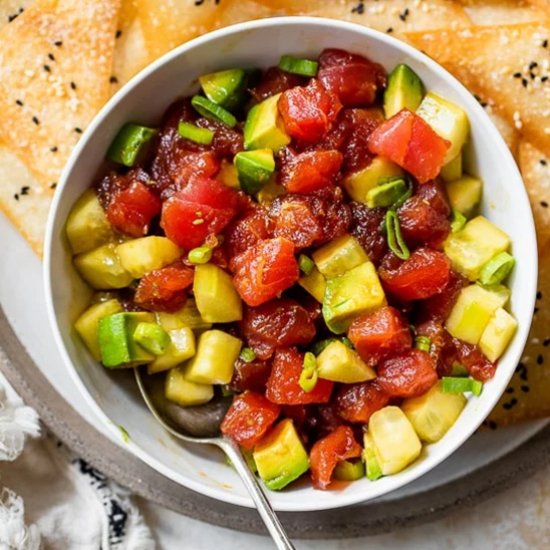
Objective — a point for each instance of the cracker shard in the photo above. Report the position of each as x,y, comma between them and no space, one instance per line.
85,30
486,60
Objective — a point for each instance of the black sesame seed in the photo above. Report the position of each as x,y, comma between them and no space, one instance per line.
525,389
539,295
544,204
359,8
51,57
58,43
73,86
533,76
403,16
118,34
513,402
113,80
523,376
543,162
35,120
47,68
53,185
540,359
492,425
517,75
78,130
546,342
25,190
543,78
533,64
544,43
524,82
16,197
389,30
54,149
510,390
507,406
535,311
199,2
19,102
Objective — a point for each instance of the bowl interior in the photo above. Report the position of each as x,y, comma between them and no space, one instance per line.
260,44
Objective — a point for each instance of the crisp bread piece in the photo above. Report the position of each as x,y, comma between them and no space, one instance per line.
55,64
23,200
527,396
502,12
535,169
509,65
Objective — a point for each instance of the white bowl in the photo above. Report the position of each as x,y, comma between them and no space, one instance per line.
260,44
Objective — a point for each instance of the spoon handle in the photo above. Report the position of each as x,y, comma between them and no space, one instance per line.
276,530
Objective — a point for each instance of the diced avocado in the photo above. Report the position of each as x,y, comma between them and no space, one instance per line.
433,413
372,466
116,339
338,256
216,297
270,191
226,88
315,283
358,184
184,392
280,456
87,324
187,316
152,338
472,311
447,119
339,363
453,169
139,256
264,128
215,359
497,334
474,245
101,268
346,470
87,225
404,91
228,174
355,292
254,169
395,442
181,346
465,194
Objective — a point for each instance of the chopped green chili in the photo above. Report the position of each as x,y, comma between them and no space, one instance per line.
497,269
386,194
309,375
204,136
200,255
423,343
247,355
306,264
128,143
451,384
295,65
209,109
395,239
458,221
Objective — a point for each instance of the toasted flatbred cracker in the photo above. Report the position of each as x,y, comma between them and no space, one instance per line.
543,5
527,397
10,10
507,131
23,200
535,169
501,12
237,11
55,65
169,23
509,65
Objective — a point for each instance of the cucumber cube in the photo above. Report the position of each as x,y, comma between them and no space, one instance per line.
497,334
101,268
181,346
139,256
184,392
339,363
465,194
338,256
315,283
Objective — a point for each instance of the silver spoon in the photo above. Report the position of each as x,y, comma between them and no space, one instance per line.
201,424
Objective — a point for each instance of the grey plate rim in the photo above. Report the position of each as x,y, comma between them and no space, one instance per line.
121,466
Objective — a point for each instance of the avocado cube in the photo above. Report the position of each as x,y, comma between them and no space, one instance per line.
254,169
447,119
359,183
187,316
215,358
453,169
339,363
87,324
228,175
263,128
225,88
116,339
474,245
184,392
497,334
280,456
180,348
87,226
404,91
433,413
216,297
315,283
339,255
465,194
140,256
472,312
355,292
101,268
395,442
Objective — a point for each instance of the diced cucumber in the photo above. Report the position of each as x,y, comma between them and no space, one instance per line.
264,128
184,392
280,456
152,338
433,413
181,346
453,169
497,334
187,316
339,363
216,297
295,65
355,292
472,311
465,194
226,88
395,442
474,245
315,283
139,256
447,119
215,358
404,90
358,184
128,144
87,225
372,466
87,324
346,470
338,256
116,339
194,133
209,109
101,268
254,169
